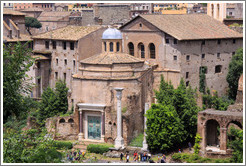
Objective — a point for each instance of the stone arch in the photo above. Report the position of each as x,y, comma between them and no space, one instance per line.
234,122
70,120
131,48
62,120
212,132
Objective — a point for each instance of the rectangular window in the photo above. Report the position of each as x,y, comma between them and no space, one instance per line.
57,61
47,45
203,56
203,42
56,75
64,76
74,64
167,41
219,41
175,41
187,57
218,55
65,62
187,75
234,41
175,58
38,65
54,44
71,45
64,45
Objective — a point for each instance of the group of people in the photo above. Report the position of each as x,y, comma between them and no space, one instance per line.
73,155
163,158
137,157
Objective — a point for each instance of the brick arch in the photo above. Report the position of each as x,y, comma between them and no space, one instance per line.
236,122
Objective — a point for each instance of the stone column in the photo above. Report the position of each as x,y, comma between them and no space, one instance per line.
119,141
145,145
103,125
223,138
204,137
81,134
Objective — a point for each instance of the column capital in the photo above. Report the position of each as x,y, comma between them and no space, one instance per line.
119,93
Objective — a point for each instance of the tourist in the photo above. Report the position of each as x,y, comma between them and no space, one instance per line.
163,159
135,155
83,154
189,144
149,155
141,157
179,151
127,158
121,156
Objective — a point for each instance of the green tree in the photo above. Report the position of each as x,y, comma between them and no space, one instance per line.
202,83
236,145
31,22
197,143
17,61
61,92
164,129
234,72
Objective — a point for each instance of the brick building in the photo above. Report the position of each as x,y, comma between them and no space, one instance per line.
181,45
22,6
45,6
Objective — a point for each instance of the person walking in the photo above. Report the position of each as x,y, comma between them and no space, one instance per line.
163,159
121,156
179,151
127,158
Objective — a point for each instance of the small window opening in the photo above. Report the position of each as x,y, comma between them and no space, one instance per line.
71,45
38,65
64,45
234,41
187,75
218,69
57,61
175,41
187,83
105,46
219,41
65,62
203,42
54,44
62,121
203,56
118,46
64,76
111,46
70,121
140,25
56,75
187,57
175,58
218,55
167,41
47,45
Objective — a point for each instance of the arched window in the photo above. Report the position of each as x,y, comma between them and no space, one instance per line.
218,11
105,46
70,121
62,121
111,46
131,48
141,50
212,10
118,46
152,50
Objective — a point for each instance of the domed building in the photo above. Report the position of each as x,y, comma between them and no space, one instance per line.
94,92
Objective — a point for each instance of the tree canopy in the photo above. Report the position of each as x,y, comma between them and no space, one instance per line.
31,22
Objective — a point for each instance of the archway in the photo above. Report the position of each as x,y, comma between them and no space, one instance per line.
212,133
131,48
231,125
152,50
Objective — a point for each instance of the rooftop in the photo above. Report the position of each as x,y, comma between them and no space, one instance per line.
106,58
70,32
12,12
32,9
190,26
23,37
53,15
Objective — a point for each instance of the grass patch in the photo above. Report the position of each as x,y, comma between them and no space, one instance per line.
137,141
98,148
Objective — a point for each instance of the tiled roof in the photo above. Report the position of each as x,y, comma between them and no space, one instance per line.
191,26
53,15
12,12
33,9
70,32
111,58
23,37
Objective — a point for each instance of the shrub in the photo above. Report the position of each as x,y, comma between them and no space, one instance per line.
197,145
98,148
63,145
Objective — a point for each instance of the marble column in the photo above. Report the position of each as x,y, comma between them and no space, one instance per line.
145,145
81,134
204,137
103,125
119,141
223,138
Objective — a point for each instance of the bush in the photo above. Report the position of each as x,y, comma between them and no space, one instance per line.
98,148
63,145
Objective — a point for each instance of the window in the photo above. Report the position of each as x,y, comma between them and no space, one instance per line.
140,25
56,75
65,62
47,44
71,45
175,41
219,41
118,46
175,58
105,46
218,55
111,45
38,65
54,44
152,50
131,48
203,56
234,41
141,50
64,45
56,61
187,83
203,42
62,120
233,53
47,28
74,64
64,76
187,57
167,41
187,75
218,69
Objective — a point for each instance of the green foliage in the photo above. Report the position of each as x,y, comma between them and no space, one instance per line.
124,110
32,22
54,102
236,145
213,101
17,61
202,76
28,147
234,72
63,144
197,143
98,148
138,141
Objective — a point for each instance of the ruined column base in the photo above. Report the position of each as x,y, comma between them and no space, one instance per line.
119,143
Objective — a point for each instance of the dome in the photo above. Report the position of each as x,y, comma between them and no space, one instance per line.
111,33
